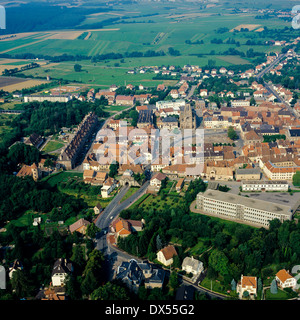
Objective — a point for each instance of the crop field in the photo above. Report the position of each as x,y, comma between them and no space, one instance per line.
157,27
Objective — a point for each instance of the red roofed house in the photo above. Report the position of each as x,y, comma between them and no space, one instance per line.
247,284
165,255
79,226
285,280
156,181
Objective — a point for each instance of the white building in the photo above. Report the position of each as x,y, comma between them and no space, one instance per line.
265,186
191,265
51,98
242,209
285,280
60,271
247,284
165,255
176,104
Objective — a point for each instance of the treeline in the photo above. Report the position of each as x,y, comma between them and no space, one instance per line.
94,59
9,72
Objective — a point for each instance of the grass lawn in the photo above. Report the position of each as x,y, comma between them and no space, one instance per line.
52,146
216,286
140,201
129,193
54,179
281,295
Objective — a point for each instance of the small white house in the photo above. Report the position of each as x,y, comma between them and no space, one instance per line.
191,265
108,186
165,255
285,280
60,271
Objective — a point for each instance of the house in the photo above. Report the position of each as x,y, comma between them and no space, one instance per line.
98,208
165,255
247,284
134,274
156,181
125,100
156,280
34,140
285,280
191,265
79,226
108,186
179,184
124,228
32,171
61,269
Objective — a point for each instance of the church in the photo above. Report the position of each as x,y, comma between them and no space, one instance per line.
187,118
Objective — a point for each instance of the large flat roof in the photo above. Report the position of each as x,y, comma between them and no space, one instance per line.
248,202
265,182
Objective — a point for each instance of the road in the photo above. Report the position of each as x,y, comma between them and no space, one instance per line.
111,212
271,65
269,88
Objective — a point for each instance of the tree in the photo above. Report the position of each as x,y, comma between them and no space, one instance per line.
92,274
20,284
232,134
134,115
92,230
233,285
296,179
77,67
273,288
113,169
218,261
252,101
174,280
110,291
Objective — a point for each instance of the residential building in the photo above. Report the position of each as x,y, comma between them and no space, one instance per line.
108,186
69,155
165,255
134,274
285,280
61,269
192,265
79,226
248,284
156,180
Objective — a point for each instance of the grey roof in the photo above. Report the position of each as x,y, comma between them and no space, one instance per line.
248,202
62,266
265,182
248,171
158,276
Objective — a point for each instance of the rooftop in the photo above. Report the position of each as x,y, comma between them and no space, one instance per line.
248,202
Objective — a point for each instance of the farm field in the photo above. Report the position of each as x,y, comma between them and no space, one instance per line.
154,27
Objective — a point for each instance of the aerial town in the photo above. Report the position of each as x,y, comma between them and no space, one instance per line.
186,190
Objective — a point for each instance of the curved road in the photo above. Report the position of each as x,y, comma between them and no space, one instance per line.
110,252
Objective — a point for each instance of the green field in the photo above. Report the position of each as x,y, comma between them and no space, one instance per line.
151,26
